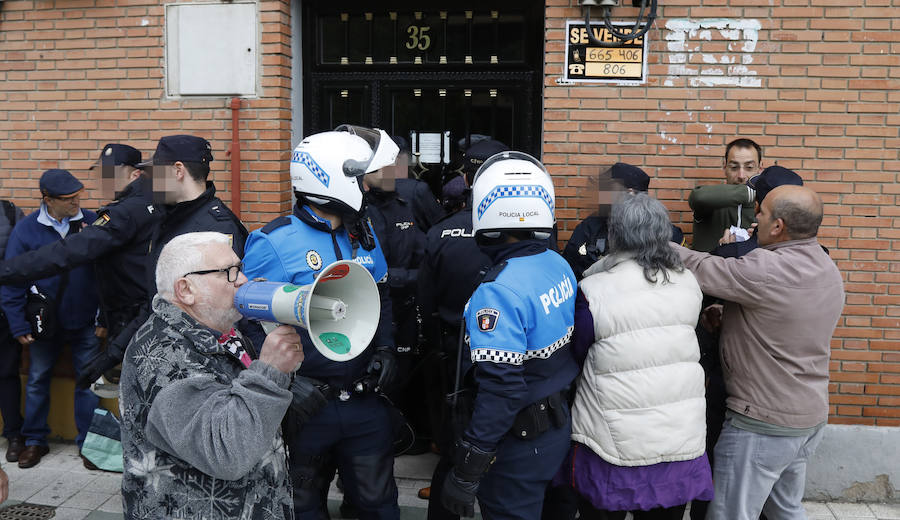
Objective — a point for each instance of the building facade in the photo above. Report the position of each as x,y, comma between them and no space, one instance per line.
815,82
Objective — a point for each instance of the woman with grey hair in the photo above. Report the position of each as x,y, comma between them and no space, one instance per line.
638,421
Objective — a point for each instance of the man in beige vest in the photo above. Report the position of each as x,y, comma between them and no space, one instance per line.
783,303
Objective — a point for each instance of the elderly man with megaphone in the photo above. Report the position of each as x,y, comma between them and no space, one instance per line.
200,409
338,420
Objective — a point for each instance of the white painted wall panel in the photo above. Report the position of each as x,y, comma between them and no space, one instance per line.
212,49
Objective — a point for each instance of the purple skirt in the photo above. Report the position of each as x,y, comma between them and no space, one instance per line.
629,488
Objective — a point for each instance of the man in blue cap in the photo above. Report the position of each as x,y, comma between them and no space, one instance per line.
71,298
149,210
116,244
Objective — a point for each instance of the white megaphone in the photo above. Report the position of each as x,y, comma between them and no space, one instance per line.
340,309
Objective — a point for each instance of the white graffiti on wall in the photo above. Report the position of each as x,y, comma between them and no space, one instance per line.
684,38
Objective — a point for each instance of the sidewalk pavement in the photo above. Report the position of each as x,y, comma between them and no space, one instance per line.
61,481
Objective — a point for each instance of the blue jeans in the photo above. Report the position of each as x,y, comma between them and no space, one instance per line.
756,473
43,354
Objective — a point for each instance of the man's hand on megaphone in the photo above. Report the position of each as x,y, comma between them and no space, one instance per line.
307,400
383,365
282,349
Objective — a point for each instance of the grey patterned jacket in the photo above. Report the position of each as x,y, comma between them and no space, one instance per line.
200,433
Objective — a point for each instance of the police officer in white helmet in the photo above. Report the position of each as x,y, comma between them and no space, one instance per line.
337,418
519,322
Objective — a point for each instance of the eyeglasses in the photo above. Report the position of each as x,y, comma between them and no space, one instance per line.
231,272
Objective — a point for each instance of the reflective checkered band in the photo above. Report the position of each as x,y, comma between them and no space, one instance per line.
548,351
532,191
515,358
497,356
306,160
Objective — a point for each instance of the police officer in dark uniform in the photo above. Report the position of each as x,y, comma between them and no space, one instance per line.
452,268
117,243
180,162
588,241
519,323
403,243
425,208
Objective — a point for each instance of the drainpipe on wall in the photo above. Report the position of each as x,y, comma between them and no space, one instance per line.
235,158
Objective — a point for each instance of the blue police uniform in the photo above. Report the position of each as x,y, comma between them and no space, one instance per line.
520,322
353,431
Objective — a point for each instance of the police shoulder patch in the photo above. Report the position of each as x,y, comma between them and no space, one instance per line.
102,219
313,260
487,319
219,213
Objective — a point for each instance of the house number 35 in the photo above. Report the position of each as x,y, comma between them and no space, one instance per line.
418,37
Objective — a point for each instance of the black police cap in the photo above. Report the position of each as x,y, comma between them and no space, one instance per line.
631,176
114,154
479,152
771,178
184,148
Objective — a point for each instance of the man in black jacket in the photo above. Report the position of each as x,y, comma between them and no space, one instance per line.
402,241
180,171
11,359
126,238
117,243
452,268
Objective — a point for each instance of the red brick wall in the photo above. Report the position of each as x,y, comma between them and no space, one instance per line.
821,97
77,74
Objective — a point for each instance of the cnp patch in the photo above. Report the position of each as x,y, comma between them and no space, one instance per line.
313,260
487,319
102,220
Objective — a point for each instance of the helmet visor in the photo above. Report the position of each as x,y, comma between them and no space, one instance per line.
383,150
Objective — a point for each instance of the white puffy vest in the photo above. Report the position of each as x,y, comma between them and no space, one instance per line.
640,397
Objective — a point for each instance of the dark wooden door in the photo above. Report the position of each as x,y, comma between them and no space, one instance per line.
438,76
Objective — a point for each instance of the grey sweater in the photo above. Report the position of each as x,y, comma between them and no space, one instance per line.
200,432
783,303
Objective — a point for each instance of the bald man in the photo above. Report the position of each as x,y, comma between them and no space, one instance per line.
783,301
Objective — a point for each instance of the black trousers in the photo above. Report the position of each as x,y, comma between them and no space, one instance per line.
10,384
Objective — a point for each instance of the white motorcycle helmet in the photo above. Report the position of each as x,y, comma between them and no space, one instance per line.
512,191
327,168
